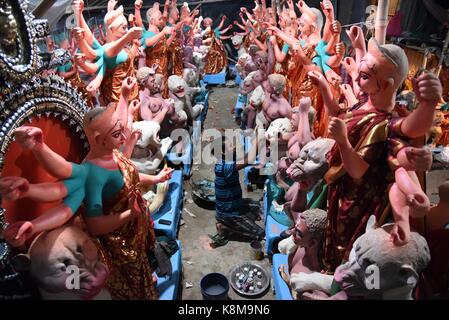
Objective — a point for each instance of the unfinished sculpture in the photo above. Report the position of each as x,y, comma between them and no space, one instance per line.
376,270
54,252
153,106
118,216
275,105
149,150
303,247
111,63
178,88
354,157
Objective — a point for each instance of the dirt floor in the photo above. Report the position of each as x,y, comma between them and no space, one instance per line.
199,258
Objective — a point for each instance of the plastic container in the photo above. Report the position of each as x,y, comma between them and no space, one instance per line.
214,286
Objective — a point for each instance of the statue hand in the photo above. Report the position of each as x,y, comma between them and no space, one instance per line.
14,188
317,78
136,135
340,49
304,104
336,27
420,158
350,65
134,107
78,6
243,10
112,4
400,234
138,4
167,30
128,85
135,32
338,130
132,20
273,39
29,137
91,90
428,89
355,34
80,58
18,232
328,9
78,33
164,175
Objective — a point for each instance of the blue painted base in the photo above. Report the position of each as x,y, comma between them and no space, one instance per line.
168,287
238,109
219,78
280,287
172,207
186,158
272,231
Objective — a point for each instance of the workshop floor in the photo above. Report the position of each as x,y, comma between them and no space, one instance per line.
199,258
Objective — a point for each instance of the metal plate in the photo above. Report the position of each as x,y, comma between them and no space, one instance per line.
260,282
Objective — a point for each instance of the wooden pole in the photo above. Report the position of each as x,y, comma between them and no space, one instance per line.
382,21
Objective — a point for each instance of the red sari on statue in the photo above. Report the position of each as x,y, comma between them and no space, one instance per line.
351,202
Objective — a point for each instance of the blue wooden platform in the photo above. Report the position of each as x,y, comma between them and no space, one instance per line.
172,208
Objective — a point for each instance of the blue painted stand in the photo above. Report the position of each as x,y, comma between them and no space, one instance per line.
239,105
168,287
172,207
219,78
186,158
280,287
273,230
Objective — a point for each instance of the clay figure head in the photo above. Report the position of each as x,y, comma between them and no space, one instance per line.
277,84
310,227
237,41
382,70
150,134
104,128
311,21
284,19
145,78
277,129
116,24
261,59
177,86
53,253
247,85
154,16
190,77
257,97
174,14
397,268
311,165
207,22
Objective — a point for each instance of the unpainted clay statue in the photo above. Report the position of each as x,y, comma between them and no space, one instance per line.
275,105
237,42
303,134
245,65
150,150
307,172
57,255
256,100
278,135
303,246
398,266
153,106
376,268
178,88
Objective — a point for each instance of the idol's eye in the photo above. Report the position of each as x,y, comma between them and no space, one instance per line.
364,75
116,134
